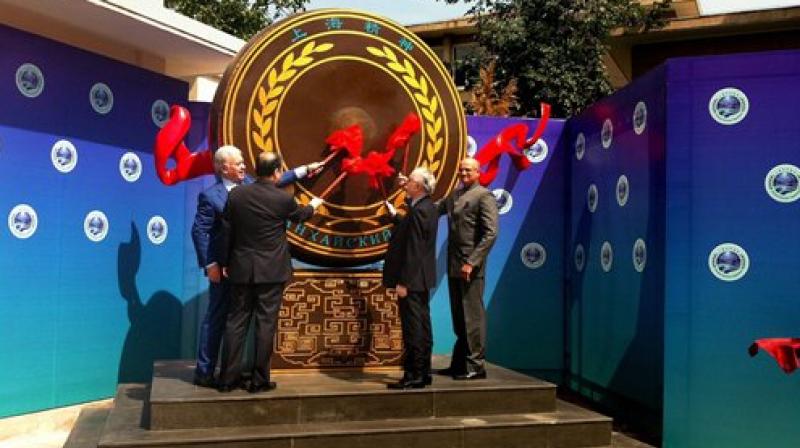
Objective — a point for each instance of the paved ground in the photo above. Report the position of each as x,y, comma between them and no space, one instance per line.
48,429
622,441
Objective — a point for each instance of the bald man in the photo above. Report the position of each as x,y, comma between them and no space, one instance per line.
472,223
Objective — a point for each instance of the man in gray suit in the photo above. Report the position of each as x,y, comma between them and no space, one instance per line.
472,223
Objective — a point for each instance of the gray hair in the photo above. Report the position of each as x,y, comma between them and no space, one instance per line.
428,181
223,154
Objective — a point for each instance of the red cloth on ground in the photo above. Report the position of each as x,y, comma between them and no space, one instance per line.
784,350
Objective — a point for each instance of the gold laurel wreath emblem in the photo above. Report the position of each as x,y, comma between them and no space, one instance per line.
268,97
429,105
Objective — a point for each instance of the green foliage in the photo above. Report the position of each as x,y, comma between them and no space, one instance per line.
554,48
242,18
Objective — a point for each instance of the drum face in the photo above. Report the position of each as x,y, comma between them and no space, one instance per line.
315,72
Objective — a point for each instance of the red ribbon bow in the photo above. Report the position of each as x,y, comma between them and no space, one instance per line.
376,165
402,135
169,144
511,141
350,139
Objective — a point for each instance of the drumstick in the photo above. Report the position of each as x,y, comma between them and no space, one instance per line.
333,185
405,158
383,190
330,157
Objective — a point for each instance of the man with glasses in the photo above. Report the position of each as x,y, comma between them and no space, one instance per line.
230,170
410,268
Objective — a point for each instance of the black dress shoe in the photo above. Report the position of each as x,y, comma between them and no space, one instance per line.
427,378
225,388
204,381
231,387
449,372
407,383
471,376
255,388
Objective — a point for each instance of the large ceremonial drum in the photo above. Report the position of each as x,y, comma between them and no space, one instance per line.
313,73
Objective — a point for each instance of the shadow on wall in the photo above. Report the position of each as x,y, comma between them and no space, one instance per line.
155,325
644,355
573,298
615,320
641,401
524,316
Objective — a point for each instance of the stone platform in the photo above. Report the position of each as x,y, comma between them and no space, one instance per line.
343,409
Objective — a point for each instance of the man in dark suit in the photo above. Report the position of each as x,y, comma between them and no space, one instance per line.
472,223
230,169
255,258
410,268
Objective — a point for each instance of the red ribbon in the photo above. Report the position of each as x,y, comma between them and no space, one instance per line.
784,350
511,141
376,165
350,139
402,135
169,144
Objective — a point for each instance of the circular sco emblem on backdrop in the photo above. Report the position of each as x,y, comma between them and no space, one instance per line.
64,156
623,190
533,255
503,199
606,256
579,257
157,230
159,112
580,146
607,134
22,221
472,146
728,106
728,262
30,80
101,98
538,152
591,198
782,183
316,72
639,118
130,167
95,226
639,255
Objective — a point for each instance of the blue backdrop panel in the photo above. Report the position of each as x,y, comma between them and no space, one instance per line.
723,143
524,305
615,317
77,315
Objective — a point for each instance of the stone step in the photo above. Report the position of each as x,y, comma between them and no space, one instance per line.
88,428
329,397
567,426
